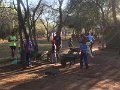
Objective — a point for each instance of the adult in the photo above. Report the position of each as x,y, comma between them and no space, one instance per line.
12,43
90,40
57,39
53,52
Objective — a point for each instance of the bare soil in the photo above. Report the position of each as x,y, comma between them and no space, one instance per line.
103,74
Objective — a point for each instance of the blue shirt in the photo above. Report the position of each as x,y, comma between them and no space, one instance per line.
89,38
84,48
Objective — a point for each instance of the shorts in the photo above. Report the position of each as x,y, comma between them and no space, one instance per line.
13,48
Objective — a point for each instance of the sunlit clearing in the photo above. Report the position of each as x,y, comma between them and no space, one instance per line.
95,49
107,83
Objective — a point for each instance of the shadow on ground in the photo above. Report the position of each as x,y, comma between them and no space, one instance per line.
103,74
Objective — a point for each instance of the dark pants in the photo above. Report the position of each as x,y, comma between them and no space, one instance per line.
28,58
84,59
13,48
57,51
70,44
58,48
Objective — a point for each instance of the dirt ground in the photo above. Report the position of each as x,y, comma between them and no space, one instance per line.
103,74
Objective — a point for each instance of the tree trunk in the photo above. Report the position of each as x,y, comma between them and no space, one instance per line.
34,36
22,28
47,36
113,3
60,16
104,23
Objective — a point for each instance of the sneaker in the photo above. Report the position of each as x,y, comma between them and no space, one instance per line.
30,65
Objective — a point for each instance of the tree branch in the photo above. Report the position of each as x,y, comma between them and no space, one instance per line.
37,7
15,6
39,14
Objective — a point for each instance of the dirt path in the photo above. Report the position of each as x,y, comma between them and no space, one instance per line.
103,74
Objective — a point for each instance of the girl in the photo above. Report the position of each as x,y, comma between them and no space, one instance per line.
12,43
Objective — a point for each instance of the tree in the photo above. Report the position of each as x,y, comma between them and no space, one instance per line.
49,18
84,14
32,23
60,24
113,4
8,19
27,23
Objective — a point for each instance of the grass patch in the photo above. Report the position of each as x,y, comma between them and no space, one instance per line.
43,45
4,50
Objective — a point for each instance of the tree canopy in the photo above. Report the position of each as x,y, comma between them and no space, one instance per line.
76,14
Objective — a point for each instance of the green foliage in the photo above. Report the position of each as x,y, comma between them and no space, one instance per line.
40,28
83,15
112,35
8,20
4,50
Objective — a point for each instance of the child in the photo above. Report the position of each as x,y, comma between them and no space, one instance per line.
53,51
70,42
84,49
12,43
28,47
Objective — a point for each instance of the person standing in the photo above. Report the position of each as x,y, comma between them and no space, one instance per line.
58,41
84,54
89,39
70,42
53,52
28,49
12,43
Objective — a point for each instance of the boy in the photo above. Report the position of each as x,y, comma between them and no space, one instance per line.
84,49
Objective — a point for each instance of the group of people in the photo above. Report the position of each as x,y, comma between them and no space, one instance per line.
26,48
86,42
56,45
